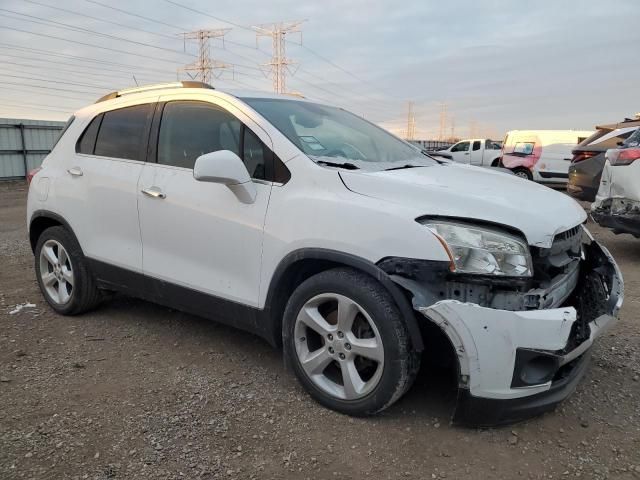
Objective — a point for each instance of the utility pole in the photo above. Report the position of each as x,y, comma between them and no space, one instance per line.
205,66
443,121
411,122
279,63
453,130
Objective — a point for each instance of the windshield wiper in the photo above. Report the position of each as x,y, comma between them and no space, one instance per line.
347,165
403,167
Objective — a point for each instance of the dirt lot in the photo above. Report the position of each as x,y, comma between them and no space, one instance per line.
134,390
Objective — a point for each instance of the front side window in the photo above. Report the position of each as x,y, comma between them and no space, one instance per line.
461,147
122,132
190,129
255,155
336,137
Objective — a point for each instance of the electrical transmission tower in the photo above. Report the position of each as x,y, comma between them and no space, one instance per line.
205,66
443,121
411,122
279,62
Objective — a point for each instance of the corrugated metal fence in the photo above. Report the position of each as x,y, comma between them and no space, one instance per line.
24,144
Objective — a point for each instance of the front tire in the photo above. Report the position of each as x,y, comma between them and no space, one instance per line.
347,343
62,272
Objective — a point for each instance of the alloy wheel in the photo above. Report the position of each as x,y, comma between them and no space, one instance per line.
338,346
56,272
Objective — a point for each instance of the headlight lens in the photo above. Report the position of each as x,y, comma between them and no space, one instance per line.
483,251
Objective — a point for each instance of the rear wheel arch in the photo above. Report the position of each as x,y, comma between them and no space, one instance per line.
43,219
299,265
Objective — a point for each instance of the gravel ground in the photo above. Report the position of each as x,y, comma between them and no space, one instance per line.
134,390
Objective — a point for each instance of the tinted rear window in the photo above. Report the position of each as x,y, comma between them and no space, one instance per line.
122,132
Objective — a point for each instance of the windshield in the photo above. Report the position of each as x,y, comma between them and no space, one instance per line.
336,137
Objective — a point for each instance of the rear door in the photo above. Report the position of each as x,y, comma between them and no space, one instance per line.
198,235
101,198
475,156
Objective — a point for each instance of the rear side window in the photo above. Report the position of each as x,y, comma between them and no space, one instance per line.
476,145
122,133
87,142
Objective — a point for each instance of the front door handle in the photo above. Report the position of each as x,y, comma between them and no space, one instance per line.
154,192
75,172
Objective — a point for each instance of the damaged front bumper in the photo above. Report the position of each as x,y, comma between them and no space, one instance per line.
514,363
622,215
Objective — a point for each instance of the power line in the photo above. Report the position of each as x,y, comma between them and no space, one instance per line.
56,95
353,75
136,15
199,12
149,32
89,44
66,26
63,71
77,57
52,62
21,84
25,106
98,87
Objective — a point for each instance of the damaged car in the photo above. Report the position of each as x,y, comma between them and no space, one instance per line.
329,237
617,203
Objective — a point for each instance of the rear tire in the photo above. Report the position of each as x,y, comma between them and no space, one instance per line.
524,173
63,274
347,342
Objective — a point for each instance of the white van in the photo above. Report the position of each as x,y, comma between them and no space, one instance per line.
541,155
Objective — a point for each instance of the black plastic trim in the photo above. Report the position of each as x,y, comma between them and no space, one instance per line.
553,175
181,298
490,412
50,215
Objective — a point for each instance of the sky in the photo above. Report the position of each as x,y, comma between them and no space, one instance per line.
496,65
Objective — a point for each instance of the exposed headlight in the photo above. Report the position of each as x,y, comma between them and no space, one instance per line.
481,250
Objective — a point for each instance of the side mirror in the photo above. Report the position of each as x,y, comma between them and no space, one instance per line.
227,168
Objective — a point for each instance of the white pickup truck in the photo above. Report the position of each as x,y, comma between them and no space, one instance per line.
481,152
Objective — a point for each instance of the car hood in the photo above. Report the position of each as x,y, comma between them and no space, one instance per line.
472,193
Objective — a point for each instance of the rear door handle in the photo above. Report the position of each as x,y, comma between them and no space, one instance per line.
154,192
75,171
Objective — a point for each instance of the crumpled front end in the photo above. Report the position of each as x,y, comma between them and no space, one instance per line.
617,204
522,346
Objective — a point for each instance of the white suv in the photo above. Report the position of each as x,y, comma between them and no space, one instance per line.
325,234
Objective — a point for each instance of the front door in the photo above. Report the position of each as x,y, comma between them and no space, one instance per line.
199,235
460,152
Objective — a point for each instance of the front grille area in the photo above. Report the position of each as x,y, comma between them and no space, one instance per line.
564,252
563,256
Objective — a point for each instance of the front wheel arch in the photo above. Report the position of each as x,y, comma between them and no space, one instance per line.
300,264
